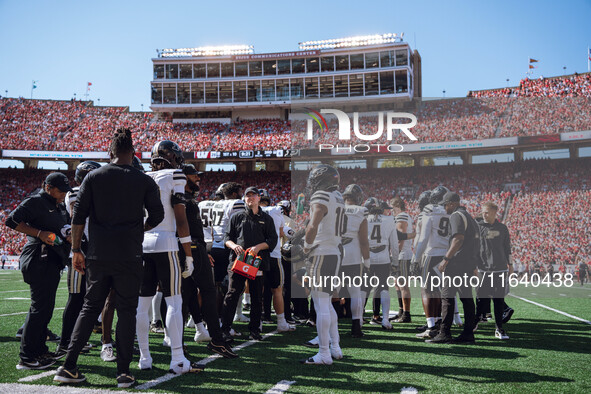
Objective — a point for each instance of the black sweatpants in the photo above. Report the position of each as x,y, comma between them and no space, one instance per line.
448,295
483,307
43,291
235,289
125,279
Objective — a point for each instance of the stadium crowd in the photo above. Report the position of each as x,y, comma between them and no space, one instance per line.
561,86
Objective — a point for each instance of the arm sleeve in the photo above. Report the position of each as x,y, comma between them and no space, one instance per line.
22,213
423,238
458,224
231,230
270,233
83,202
401,236
153,204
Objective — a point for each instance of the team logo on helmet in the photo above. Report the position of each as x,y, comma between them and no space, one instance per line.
354,192
168,152
323,177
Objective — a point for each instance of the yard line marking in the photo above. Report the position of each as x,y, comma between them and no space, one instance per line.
32,378
207,360
281,387
17,291
19,388
24,313
17,298
552,309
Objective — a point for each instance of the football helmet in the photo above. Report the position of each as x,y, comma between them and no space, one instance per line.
354,192
424,199
285,206
323,177
168,152
437,194
137,164
84,168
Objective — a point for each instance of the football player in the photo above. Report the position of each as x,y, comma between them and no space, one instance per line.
383,251
429,251
76,281
404,224
356,245
161,262
322,243
275,277
219,218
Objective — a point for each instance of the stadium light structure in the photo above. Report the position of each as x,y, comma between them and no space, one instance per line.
207,51
348,42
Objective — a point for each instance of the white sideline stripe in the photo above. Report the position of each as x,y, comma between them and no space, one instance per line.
18,291
16,298
205,361
32,378
551,309
24,313
19,388
280,387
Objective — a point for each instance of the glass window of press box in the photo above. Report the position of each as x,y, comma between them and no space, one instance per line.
356,85
157,94
356,61
169,93
401,57
284,66
298,66
172,71
270,67
213,70
312,65
225,92
199,70
268,90
282,87
255,68
227,70
372,84
327,63
240,91
241,69
158,71
183,93
341,86
297,88
197,93
254,91
211,92
401,81
186,71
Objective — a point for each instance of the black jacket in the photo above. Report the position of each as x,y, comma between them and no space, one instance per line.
247,229
495,246
42,212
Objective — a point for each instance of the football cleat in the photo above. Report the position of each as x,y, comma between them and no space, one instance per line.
68,376
336,352
501,334
317,360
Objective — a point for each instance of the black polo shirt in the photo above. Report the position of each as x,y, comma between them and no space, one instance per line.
465,260
194,219
113,197
247,229
41,211
495,246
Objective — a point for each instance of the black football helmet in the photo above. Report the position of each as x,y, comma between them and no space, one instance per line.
168,152
220,191
424,199
323,177
355,193
137,164
84,168
437,194
285,206
264,193
373,205
292,253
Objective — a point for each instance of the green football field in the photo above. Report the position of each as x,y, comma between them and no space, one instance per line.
548,352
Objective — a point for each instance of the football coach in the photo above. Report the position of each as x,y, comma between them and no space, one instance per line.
113,197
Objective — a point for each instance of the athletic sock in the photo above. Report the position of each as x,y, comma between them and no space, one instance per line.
281,318
400,307
334,328
385,299
430,322
156,300
174,325
142,326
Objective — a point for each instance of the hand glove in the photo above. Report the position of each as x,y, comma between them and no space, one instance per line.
188,267
289,233
366,263
414,268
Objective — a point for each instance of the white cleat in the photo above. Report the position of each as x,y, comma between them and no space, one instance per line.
145,363
180,367
336,352
202,335
241,318
191,323
285,327
317,360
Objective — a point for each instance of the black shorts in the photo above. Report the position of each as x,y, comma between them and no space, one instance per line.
382,272
221,257
321,271
275,277
427,271
162,269
404,268
76,281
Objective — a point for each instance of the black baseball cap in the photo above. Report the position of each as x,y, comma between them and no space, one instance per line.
450,197
59,180
189,169
252,189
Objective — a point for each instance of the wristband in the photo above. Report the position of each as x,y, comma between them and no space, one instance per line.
307,245
185,240
445,258
76,250
39,233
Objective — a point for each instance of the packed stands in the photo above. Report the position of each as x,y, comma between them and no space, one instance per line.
561,86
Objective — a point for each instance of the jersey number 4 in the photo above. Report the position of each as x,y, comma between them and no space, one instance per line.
376,234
